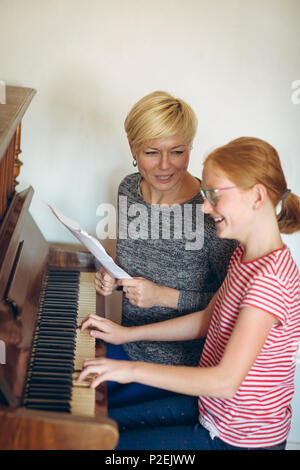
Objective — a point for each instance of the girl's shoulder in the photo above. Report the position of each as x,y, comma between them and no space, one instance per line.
278,267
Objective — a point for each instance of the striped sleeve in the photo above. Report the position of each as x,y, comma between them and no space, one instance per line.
265,292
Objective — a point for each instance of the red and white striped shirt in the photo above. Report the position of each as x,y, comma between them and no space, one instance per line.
259,414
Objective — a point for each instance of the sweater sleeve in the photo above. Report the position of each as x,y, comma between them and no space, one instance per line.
192,301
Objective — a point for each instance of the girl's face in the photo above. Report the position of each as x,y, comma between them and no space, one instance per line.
230,207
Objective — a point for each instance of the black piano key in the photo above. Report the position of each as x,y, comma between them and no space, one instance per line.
44,353
48,359
53,308
56,333
62,285
51,368
45,347
60,407
57,291
62,299
54,340
63,314
50,401
44,394
53,353
56,366
57,321
33,387
52,343
51,360
60,387
57,325
40,379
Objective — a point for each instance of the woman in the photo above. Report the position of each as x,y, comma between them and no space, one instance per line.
176,260
245,379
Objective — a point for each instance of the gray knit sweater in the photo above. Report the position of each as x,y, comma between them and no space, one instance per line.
163,251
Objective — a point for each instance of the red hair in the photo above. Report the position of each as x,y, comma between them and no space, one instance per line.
248,161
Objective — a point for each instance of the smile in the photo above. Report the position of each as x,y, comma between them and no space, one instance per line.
217,220
164,178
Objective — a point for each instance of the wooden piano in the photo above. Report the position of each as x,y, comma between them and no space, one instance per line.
44,294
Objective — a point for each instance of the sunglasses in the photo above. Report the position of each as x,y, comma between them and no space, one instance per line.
211,194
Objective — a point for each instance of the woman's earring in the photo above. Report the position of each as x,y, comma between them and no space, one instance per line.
134,162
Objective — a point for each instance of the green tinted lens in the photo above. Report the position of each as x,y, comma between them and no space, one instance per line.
210,195
205,194
213,197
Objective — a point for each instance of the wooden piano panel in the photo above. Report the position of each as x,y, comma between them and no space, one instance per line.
11,114
24,258
23,429
7,176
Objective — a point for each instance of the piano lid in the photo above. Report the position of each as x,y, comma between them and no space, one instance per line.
11,113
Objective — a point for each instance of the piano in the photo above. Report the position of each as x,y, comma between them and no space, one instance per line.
45,292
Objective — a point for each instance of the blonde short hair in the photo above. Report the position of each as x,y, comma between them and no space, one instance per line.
158,115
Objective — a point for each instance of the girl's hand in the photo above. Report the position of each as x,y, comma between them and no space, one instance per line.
105,329
107,369
141,292
105,284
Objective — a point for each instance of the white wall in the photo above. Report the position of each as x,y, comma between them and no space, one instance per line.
234,61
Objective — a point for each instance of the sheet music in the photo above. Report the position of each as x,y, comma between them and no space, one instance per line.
93,245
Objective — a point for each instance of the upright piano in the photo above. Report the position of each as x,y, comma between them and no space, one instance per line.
45,293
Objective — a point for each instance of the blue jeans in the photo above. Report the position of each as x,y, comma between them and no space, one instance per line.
130,394
167,424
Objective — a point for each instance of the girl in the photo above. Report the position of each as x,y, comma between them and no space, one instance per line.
245,376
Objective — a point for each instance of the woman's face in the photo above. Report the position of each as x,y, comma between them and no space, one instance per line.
163,163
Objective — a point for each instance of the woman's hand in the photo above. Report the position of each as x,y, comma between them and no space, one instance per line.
141,292
105,284
107,369
105,329
146,294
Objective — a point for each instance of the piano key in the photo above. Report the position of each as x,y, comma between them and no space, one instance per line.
68,369
53,353
51,360
54,345
49,407
58,321
50,377
44,332
50,386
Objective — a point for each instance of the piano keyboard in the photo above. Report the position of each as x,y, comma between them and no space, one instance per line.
59,347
